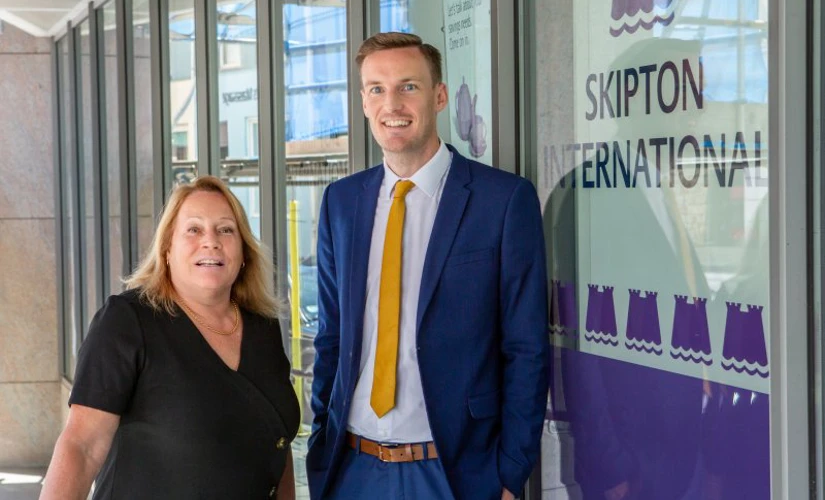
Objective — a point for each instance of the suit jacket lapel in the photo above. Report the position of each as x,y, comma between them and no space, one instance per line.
447,219
365,204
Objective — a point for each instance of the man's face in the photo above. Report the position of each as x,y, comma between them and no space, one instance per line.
401,102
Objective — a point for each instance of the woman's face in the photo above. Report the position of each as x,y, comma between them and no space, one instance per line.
206,251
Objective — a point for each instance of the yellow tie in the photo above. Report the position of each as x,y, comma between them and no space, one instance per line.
382,398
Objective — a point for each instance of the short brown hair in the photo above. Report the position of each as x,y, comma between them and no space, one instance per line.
250,290
396,40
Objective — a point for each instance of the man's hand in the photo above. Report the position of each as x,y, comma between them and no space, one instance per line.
506,495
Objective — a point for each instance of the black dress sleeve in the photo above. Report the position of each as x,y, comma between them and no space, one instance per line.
110,358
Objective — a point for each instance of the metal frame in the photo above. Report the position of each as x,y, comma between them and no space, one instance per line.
816,245
790,446
73,164
362,151
374,155
527,92
206,80
271,134
161,108
816,182
127,141
505,88
57,153
100,211
525,152
813,335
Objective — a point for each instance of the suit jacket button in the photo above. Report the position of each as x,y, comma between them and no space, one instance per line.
281,444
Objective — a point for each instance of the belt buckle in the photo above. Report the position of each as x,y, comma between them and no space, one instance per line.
388,447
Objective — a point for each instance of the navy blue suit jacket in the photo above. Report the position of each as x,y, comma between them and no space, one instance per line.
482,340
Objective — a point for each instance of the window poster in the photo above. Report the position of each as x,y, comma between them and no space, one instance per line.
652,129
468,60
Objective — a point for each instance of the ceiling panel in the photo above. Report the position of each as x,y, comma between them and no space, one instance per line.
40,17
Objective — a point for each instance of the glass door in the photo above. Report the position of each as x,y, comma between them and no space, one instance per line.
316,132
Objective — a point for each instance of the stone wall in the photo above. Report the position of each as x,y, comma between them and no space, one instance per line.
29,362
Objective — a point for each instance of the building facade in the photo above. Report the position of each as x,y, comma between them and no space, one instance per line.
675,146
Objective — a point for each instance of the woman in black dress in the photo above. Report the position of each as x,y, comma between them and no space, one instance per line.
182,386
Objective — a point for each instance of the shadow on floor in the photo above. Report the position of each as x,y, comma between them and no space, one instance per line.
20,484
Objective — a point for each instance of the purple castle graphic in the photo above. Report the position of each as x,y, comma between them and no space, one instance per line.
601,316
643,333
563,316
691,339
744,348
629,15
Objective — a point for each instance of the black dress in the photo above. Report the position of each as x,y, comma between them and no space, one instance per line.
190,426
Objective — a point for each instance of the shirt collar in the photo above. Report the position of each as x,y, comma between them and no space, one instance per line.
428,177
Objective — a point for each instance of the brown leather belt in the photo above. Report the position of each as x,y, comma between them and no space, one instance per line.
392,452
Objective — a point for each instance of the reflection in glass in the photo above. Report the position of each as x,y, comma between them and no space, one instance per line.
425,18
315,69
238,104
656,218
70,331
87,168
111,143
182,90
142,74
394,15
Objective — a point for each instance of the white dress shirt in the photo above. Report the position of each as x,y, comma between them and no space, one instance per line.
407,421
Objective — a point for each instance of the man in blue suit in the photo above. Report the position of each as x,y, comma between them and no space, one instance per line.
432,352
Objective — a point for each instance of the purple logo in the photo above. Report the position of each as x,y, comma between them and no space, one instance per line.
629,15
563,317
601,316
744,348
691,338
643,332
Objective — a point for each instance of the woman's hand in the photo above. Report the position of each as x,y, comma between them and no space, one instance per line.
286,487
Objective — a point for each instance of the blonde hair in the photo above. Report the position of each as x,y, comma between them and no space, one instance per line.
250,289
396,40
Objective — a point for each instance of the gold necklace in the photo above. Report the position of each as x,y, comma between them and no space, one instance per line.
199,319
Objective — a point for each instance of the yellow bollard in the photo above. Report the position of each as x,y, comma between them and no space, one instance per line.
295,301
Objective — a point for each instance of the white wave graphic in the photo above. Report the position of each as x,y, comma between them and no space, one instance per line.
644,346
689,354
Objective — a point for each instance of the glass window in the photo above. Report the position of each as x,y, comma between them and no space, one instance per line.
230,55
223,139
238,103
87,168
142,73
316,150
183,90
394,15
461,31
649,132
111,143
252,137
71,330
180,145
